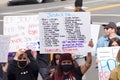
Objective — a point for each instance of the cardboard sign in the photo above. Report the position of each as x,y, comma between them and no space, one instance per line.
4,48
107,61
24,31
64,32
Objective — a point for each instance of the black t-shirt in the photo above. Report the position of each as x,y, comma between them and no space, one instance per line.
77,75
25,75
30,72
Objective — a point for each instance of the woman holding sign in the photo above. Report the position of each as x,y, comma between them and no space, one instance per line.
66,69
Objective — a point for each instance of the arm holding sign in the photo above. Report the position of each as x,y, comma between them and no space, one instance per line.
88,62
18,53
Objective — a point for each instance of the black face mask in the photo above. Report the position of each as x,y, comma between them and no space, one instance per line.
22,64
66,68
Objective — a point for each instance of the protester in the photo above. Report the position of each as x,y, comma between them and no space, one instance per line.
114,42
55,60
43,61
110,32
4,66
78,5
23,66
115,74
67,69
53,64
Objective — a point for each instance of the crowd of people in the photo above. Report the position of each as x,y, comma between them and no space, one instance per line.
26,66
111,38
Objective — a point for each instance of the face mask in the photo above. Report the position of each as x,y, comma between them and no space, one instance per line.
22,64
66,68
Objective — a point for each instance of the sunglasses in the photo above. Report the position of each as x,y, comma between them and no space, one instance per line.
107,28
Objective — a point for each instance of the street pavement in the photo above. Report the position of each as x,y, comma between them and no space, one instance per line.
102,11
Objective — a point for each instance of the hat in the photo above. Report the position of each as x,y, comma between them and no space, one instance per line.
65,56
110,24
118,24
78,3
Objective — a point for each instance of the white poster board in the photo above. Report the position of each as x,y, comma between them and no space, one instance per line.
94,35
64,32
24,31
107,61
4,48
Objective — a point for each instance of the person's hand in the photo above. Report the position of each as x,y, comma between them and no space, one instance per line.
96,61
87,64
91,44
51,72
25,49
19,52
5,67
22,50
34,54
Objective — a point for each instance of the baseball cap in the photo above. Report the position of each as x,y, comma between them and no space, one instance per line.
110,24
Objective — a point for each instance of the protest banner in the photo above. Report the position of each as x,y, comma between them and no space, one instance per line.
4,48
66,32
107,61
24,31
